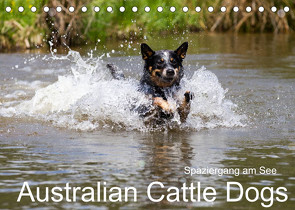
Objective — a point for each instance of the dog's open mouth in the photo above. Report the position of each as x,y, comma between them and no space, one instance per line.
168,79
165,79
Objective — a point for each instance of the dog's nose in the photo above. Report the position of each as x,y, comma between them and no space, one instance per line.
170,72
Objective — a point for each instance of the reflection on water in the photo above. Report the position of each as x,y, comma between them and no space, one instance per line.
257,70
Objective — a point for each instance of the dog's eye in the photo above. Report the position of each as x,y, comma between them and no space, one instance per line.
172,60
160,62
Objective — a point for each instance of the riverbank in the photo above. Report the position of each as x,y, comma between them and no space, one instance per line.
27,29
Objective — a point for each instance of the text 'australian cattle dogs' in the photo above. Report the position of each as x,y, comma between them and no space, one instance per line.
162,73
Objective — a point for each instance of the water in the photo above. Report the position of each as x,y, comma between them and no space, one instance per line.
63,119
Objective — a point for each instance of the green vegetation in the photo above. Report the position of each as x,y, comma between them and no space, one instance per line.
20,30
28,29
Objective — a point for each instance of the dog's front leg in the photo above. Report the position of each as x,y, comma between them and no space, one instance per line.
163,104
185,106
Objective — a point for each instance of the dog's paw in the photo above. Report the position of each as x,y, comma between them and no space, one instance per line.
189,96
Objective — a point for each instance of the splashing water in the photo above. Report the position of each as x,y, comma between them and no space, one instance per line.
88,98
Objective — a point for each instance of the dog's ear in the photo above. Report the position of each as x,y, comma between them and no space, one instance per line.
181,51
146,51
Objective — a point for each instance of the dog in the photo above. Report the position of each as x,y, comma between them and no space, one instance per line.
161,78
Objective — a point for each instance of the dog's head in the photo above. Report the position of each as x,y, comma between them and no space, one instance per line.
164,67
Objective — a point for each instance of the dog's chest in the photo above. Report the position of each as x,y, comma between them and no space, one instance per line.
159,92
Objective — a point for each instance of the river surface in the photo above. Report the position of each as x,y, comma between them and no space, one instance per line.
64,120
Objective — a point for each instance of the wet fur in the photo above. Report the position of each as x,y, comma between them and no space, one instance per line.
161,78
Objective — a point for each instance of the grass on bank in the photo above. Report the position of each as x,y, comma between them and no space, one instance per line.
27,29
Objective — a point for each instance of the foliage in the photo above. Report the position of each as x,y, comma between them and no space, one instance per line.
20,30
27,29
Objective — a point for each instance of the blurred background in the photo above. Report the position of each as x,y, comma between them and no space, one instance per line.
27,29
